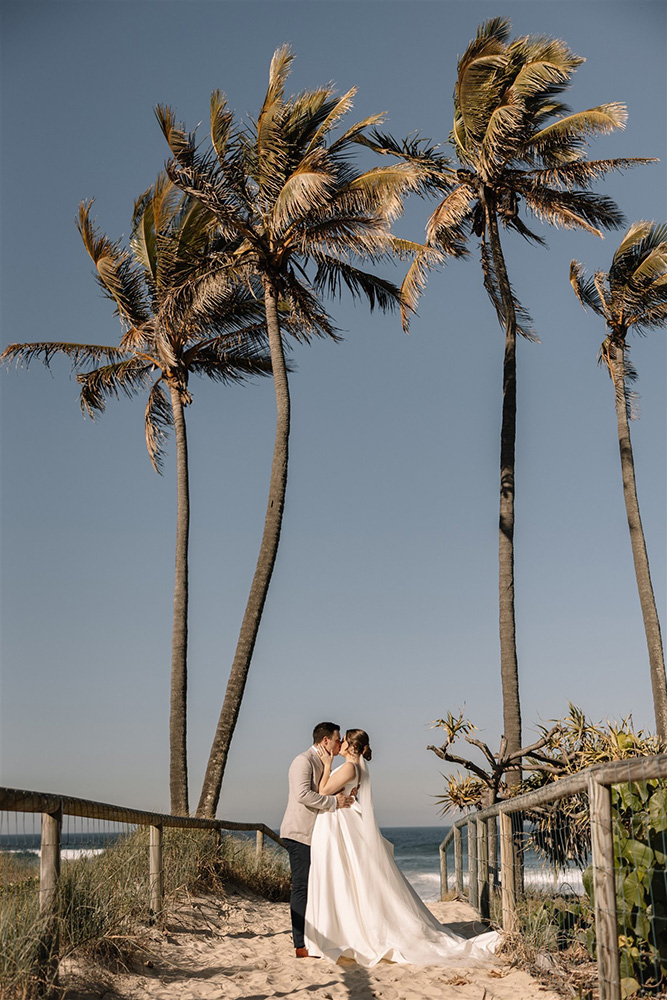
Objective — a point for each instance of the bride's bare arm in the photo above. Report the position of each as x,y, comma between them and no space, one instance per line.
330,784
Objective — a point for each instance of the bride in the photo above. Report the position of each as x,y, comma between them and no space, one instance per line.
360,905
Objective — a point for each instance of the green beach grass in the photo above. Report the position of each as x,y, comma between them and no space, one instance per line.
103,900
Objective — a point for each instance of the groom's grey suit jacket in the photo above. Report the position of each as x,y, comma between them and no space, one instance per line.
304,800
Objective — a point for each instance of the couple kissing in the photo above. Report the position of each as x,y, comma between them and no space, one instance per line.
349,899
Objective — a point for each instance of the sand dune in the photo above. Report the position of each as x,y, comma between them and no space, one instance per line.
239,948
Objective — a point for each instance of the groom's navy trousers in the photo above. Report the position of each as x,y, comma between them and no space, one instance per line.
299,860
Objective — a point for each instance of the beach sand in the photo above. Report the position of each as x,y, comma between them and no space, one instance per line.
239,947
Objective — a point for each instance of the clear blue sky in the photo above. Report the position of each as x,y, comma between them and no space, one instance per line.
383,609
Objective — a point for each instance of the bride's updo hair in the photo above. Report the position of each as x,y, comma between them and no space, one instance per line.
357,740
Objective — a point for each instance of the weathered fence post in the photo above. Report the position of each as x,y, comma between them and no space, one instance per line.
473,897
444,875
259,845
155,873
507,856
483,901
458,861
493,851
518,846
49,875
604,885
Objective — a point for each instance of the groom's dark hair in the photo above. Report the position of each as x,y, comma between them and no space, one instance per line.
323,729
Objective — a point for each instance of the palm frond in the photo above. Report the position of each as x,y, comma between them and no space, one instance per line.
540,76
180,142
279,70
651,269
477,94
154,212
540,68
481,63
137,338
222,122
381,189
157,418
335,112
584,288
118,277
127,377
435,170
272,149
415,281
450,224
303,115
499,143
556,143
573,209
524,323
306,317
237,365
79,354
306,190
578,174
333,273
347,235
513,221
640,241
249,341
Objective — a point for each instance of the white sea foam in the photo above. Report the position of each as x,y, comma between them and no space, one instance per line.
545,880
425,884
66,853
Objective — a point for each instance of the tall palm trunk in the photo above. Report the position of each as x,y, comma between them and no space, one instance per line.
178,751
508,657
639,554
210,794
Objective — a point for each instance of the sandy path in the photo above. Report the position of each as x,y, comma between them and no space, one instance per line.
239,948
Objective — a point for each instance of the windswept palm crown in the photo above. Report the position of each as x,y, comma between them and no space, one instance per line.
298,217
517,141
633,295
283,190
176,324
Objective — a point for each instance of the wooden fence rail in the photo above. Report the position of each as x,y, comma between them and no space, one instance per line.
595,782
54,807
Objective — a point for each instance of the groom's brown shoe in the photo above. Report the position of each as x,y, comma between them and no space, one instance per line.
302,953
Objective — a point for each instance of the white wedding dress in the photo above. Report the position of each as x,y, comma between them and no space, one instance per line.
360,905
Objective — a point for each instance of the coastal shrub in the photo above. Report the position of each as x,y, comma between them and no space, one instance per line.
640,862
559,931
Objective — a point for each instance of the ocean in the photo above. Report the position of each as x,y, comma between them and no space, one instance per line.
416,854
415,851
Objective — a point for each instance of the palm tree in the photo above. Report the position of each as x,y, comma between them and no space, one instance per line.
178,326
633,295
284,191
514,140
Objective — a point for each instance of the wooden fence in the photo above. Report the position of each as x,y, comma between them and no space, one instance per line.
54,807
596,782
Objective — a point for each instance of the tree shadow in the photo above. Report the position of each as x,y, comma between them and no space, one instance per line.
357,980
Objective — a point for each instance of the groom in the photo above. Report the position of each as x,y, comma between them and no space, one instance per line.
303,805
